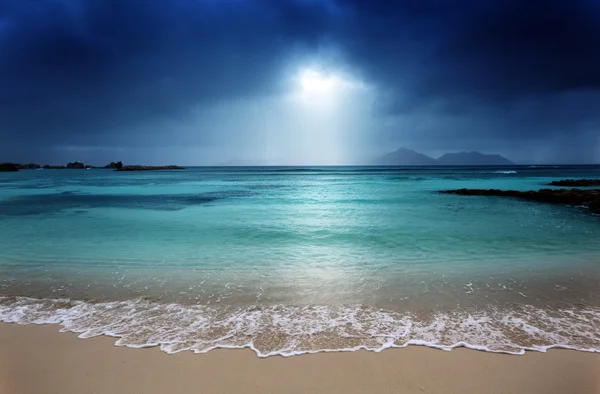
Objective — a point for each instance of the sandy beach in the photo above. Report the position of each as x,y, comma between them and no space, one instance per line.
40,359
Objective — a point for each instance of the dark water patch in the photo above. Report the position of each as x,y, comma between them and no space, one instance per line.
79,211
80,202
38,186
93,180
406,178
266,186
27,185
151,182
399,178
303,170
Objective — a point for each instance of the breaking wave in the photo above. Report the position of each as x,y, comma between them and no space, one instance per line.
292,330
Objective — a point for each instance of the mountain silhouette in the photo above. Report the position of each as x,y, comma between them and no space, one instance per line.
473,159
409,157
405,157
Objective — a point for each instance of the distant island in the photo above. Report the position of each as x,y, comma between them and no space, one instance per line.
405,157
10,167
117,166
473,159
409,157
72,165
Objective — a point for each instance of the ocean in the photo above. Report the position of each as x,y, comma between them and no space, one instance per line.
289,260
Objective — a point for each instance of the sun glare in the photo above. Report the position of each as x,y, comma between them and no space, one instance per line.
313,81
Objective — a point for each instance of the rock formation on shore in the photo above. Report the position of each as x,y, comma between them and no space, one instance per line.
576,182
588,198
149,168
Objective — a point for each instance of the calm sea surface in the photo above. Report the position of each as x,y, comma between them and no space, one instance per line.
294,260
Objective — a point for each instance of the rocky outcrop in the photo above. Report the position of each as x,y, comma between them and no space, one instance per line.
76,164
576,182
118,165
29,166
149,168
17,166
9,167
588,198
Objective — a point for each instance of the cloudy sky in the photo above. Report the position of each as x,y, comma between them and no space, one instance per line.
299,81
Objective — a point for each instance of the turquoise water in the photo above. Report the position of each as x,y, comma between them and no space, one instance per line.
292,260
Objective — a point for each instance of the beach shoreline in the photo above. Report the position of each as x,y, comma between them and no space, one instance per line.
40,359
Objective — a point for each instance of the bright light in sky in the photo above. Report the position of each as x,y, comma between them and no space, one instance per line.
313,81
318,83
323,107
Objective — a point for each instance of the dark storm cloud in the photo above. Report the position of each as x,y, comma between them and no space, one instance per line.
486,75
91,72
488,52
86,66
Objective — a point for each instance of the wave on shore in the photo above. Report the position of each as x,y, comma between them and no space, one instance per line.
292,330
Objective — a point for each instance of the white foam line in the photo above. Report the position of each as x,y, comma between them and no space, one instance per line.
23,311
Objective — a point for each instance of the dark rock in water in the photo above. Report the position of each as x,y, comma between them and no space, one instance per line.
594,206
9,167
576,182
17,166
49,167
149,168
29,166
118,165
589,198
76,164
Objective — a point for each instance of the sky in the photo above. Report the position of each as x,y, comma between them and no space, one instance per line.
298,82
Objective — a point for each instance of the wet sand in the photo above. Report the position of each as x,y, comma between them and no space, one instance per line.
39,359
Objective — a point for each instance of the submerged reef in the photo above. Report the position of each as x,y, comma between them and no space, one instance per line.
587,198
576,182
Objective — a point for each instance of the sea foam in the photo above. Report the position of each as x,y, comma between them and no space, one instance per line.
292,330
